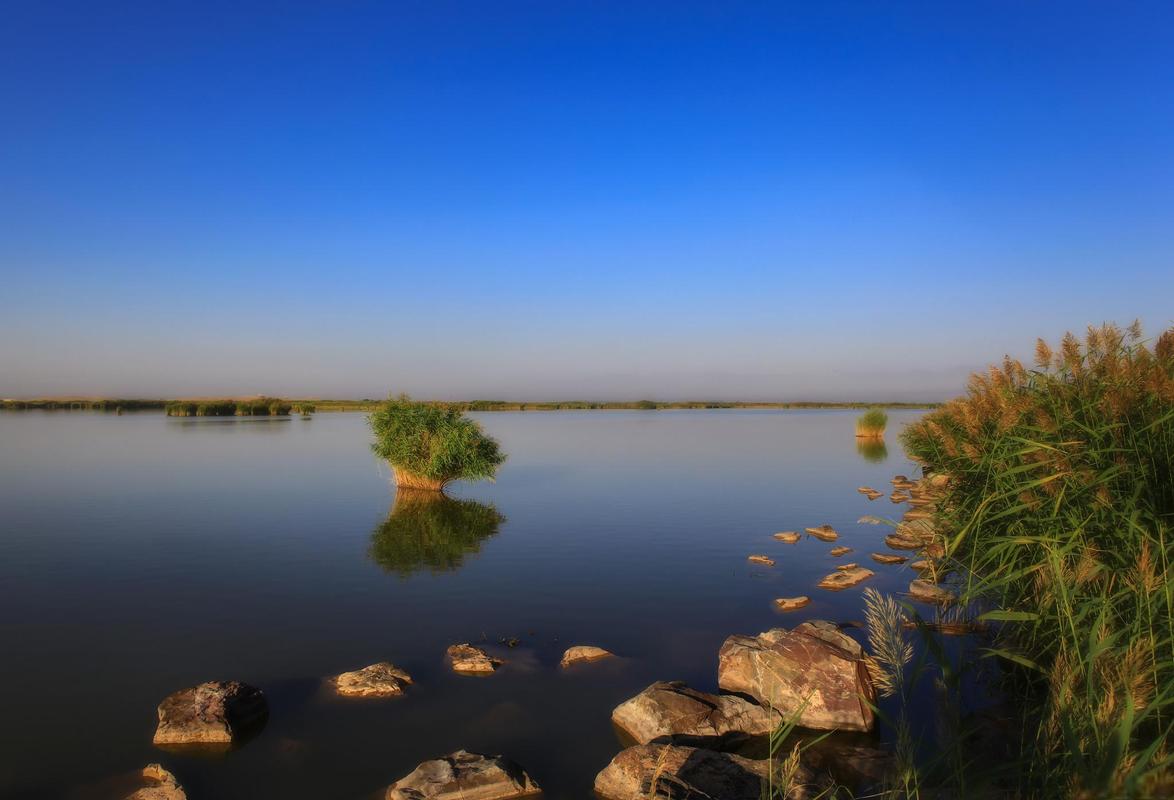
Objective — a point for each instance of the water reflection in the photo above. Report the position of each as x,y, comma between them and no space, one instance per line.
872,450
428,530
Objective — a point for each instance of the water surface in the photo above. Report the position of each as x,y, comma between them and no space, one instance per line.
141,554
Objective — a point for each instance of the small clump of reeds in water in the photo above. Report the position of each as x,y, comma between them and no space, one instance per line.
871,424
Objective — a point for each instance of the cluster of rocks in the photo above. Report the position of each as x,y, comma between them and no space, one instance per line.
813,674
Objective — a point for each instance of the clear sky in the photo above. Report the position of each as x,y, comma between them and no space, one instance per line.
579,200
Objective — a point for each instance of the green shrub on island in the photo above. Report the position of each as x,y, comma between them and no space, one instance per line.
871,424
259,407
430,445
1059,513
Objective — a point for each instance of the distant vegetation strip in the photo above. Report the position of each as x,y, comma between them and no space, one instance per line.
261,406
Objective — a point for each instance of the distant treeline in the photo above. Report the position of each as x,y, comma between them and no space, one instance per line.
270,406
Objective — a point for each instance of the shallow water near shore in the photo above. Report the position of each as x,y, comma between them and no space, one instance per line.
141,554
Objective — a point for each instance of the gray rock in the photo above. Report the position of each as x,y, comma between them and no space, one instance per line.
669,709
217,712
813,671
464,776
378,680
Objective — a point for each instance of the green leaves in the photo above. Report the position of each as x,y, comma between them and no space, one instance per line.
433,442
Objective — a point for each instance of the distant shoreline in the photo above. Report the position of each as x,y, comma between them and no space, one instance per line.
146,404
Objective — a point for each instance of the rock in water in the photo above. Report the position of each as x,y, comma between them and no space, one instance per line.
161,785
845,578
470,658
670,708
378,680
825,533
667,772
928,592
839,551
885,558
922,565
900,541
790,537
217,712
813,664
758,558
464,776
792,603
865,489
583,653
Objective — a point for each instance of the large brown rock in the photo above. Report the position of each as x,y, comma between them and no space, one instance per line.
667,772
464,776
669,709
159,785
814,673
217,712
472,659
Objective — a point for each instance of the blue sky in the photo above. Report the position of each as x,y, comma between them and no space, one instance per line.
604,200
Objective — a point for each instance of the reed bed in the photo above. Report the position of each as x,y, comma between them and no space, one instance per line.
871,424
1058,513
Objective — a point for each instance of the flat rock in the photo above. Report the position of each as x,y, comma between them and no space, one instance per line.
792,603
464,776
922,565
470,658
845,578
790,537
839,551
668,772
875,495
759,558
582,653
825,533
217,712
898,498
899,541
916,514
160,785
899,479
669,709
887,558
847,567
928,592
377,680
814,673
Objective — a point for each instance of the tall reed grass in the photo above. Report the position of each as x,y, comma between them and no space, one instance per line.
1058,515
871,424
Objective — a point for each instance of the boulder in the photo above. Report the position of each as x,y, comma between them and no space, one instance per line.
813,671
928,592
378,680
792,603
825,533
160,785
845,577
790,537
464,776
668,772
669,709
217,712
583,653
470,658
758,558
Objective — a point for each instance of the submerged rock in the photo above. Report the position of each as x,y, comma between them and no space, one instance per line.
758,558
845,577
667,772
160,785
792,603
470,658
790,537
813,673
839,551
825,533
377,680
217,712
928,592
668,709
464,776
886,558
583,653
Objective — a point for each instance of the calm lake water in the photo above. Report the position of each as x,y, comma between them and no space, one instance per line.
141,554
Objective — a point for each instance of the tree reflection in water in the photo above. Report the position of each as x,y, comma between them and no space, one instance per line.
872,450
429,530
